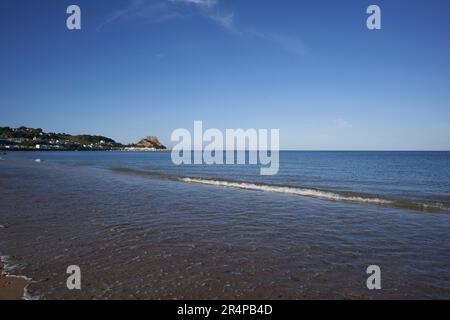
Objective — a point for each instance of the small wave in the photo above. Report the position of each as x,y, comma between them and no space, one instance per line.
327,195
324,194
330,195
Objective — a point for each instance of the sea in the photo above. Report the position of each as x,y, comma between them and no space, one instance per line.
140,227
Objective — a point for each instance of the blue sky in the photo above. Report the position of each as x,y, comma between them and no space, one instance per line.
309,68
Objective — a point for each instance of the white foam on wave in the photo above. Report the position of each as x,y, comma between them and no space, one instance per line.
326,195
435,205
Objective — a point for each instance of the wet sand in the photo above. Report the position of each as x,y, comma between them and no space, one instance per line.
11,287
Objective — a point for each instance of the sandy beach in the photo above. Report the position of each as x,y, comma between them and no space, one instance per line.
11,287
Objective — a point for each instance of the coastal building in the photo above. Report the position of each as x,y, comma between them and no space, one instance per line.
139,149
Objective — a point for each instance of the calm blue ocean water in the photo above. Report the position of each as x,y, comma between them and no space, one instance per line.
141,227
416,180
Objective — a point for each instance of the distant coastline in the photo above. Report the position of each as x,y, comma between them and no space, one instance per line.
31,139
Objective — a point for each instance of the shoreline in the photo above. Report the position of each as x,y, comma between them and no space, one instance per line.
4,151
11,287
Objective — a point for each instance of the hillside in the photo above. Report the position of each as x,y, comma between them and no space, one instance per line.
24,138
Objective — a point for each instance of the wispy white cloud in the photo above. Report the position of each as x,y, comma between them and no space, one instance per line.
155,11
224,20
118,14
163,10
288,43
340,123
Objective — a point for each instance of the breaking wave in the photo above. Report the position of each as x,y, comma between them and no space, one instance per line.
327,195
330,195
324,194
